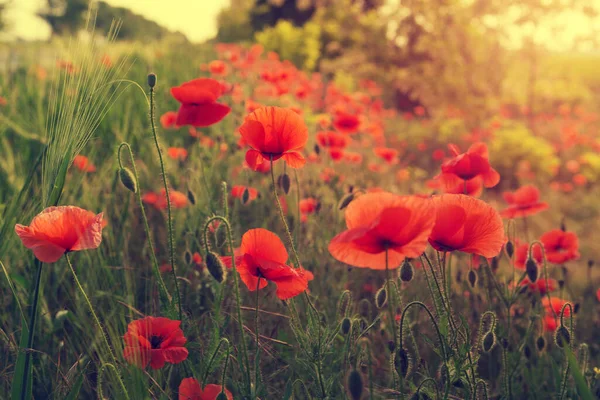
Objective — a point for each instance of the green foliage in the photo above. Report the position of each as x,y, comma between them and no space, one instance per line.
299,45
234,22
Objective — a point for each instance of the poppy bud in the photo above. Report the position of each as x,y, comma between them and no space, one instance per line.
245,196
191,196
494,264
221,396
284,182
402,362
527,352
346,200
187,256
562,336
576,308
590,263
128,179
152,80
355,385
346,325
406,271
531,268
504,343
472,277
215,266
317,149
391,343
510,248
381,298
540,343
488,342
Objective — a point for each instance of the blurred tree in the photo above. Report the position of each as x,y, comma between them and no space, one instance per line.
64,16
267,13
234,22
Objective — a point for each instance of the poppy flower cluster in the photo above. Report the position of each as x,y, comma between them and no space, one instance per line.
159,200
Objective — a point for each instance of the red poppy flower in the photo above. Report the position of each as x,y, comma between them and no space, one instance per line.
261,258
387,154
523,202
238,192
198,100
83,164
169,120
346,123
217,67
177,153
469,165
308,206
58,230
159,200
274,132
560,246
190,389
197,259
522,252
336,153
555,305
550,323
332,139
154,340
383,221
540,286
466,224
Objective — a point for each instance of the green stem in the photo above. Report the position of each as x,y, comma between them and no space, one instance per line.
389,294
32,317
257,354
100,380
169,217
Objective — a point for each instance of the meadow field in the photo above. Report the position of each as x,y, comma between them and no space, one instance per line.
219,221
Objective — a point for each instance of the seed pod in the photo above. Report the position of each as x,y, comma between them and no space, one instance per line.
284,182
510,248
191,196
317,149
128,179
245,196
406,271
187,257
402,362
488,341
355,385
381,298
472,277
346,325
346,200
540,343
562,337
215,266
531,268
152,80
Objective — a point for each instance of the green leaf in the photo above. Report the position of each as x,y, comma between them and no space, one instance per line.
74,393
582,387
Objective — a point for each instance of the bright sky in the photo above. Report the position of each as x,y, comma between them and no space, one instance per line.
195,18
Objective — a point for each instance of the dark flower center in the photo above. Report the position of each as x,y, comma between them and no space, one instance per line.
155,341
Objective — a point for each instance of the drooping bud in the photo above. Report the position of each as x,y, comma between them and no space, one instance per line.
284,182
215,266
355,385
191,196
245,196
510,248
317,149
128,179
527,352
531,268
187,257
488,341
402,362
346,200
346,325
152,80
381,298
472,277
562,337
406,271
540,343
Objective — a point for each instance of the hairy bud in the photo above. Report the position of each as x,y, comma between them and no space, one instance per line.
355,385
152,80
406,271
381,298
215,266
128,179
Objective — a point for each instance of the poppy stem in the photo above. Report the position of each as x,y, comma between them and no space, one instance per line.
257,355
94,316
169,217
162,288
30,333
390,302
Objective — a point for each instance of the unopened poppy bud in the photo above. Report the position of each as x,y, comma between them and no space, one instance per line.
128,179
187,257
346,325
510,248
406,271
488,342
402,362
391,344
590,263
527,352
355,385
215,266
191,196
245,196
152,80
317,149
540,343
576,308
562,337
472,277
346,200
284,182
221,396
531,268
381,298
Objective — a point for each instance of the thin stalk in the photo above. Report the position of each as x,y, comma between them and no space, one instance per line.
32,317
257,354
389,294
169,217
